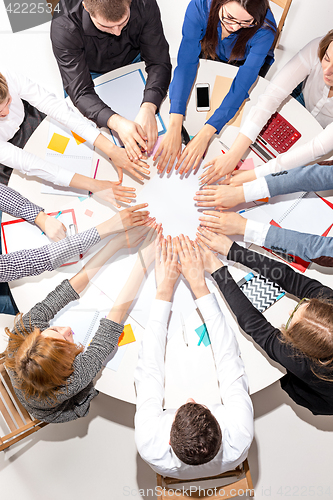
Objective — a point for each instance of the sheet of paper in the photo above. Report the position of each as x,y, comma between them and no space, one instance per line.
20,235
115,358
76,156
124,95
221,88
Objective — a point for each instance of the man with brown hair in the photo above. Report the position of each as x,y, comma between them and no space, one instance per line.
195,440
97,36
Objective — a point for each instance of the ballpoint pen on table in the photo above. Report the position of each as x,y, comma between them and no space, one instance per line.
183,329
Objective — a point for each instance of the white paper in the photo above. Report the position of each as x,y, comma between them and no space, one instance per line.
124,95
76,158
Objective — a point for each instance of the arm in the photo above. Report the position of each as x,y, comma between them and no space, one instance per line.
309,178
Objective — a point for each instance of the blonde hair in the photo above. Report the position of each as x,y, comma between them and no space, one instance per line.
324,44
312,335
41,364
3,88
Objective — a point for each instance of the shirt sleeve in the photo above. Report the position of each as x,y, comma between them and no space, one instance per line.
291,281
193,31
233,382
256,325
309,178
58,109
255,190
154,50
68,49
89,363
32,262
15,204
29,164
149,375
293,73
246,75
256,232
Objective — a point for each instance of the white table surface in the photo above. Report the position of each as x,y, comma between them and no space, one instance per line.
190,371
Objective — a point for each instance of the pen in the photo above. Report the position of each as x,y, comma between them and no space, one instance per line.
183,329
90,193
56,217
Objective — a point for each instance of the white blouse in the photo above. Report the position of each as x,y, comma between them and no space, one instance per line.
304,65
20,87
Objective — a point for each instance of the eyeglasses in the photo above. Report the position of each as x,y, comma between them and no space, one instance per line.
303,301
228,19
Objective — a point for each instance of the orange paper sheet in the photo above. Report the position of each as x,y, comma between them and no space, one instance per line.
58,143
221,88
127,336
79,140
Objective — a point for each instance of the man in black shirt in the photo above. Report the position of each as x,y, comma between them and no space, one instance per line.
102,35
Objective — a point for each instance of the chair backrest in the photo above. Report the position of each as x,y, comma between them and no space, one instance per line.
284,5
14,415
241,486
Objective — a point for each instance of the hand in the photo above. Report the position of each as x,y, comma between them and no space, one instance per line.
219,196
146,253
223,222
191,265
52,227
112,191
219,167
194,151
147,120
210,260
170,147
120,160
131,135
239,177
132,237
166,269
124,220
218,242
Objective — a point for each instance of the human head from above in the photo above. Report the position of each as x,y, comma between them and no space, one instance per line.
109,16
325,54
310,330
42,361
242,16
195,435
5,97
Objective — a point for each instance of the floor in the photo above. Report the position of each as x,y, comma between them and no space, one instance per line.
96,456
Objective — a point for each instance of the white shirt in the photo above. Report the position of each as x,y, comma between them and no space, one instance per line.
305,64
235,415
20,87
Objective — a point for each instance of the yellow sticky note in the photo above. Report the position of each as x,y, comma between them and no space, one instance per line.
127,336
79,140
58,143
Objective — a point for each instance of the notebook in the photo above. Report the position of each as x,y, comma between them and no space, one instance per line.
19,234
261,291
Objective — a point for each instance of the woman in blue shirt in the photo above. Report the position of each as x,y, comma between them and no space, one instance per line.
239,32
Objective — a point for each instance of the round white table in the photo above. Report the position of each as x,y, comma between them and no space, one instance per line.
190,371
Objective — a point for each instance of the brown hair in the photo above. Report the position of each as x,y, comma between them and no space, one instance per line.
324,43
3,88
312,335
110,10
42,364
195,435
256,8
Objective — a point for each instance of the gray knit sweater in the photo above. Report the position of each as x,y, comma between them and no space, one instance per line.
74,401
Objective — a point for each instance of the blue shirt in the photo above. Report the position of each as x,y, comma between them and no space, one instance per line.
194,29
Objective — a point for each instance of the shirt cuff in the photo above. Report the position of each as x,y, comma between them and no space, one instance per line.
255,190
256,232
160,311
64,177
208,305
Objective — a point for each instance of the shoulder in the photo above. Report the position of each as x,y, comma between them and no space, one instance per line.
69,15
310,51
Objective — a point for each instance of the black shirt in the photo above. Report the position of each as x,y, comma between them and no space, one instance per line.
80,47
302,385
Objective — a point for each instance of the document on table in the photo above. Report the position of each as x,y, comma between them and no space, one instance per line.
70,151
124,95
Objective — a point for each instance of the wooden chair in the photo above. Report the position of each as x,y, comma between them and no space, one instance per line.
13,414
242,484
285,5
